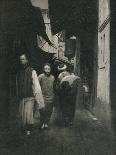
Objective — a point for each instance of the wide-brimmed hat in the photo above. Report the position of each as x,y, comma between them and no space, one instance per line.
62,67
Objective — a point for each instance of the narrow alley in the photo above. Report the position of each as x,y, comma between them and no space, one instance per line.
40,40
86,137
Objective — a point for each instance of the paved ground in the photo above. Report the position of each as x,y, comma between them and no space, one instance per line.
87,137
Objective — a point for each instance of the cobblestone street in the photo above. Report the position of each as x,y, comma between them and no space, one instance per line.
87,137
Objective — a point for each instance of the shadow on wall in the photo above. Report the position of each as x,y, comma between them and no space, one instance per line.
4,96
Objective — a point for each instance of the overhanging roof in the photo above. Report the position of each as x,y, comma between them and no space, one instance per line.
72,15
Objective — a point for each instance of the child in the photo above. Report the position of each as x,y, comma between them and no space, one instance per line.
47,85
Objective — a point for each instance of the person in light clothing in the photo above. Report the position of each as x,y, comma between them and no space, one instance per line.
29,92
86,95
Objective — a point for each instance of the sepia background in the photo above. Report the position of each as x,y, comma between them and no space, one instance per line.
84,36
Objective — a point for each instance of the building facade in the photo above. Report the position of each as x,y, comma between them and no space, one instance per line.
105,106
103,83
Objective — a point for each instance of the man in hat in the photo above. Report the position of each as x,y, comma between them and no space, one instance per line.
62,72
28,91
62,69
67,96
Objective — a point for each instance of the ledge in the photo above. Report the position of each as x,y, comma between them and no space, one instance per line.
104,24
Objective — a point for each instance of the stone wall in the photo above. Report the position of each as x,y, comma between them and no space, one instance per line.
103,84
102,107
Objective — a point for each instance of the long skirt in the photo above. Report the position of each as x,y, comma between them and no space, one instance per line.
26,111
